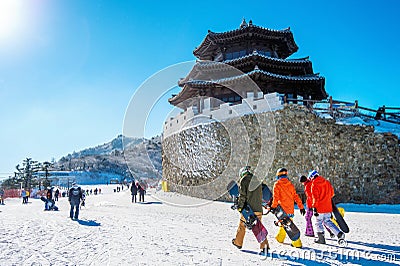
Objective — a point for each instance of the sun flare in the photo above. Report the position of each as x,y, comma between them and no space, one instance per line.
10,18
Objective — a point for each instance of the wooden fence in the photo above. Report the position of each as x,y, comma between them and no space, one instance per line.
341,109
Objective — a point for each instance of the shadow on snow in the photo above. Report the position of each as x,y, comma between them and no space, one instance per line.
88,222
327,257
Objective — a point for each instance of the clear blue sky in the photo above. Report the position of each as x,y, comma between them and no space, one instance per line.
68,68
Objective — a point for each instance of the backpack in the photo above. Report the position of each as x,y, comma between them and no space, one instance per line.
76,191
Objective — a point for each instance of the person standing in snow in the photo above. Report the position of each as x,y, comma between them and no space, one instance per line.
133,191
322,194
74,197
250,192
1,196
28,193
83,198
284,194
23,195
142,191
56,193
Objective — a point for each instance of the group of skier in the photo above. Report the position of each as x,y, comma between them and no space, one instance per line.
25,193
319,193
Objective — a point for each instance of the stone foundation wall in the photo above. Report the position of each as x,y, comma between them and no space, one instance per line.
363,166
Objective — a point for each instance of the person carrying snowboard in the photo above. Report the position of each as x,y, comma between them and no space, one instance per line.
307,190
322,194
250,192
134,191
74,198
309,213
284,194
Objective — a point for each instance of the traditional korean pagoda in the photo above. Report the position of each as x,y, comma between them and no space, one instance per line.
257,53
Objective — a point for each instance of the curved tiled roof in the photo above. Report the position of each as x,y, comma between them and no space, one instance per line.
277,60
314,79
256,57
213,38
307,78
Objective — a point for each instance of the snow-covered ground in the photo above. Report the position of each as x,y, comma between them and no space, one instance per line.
113,231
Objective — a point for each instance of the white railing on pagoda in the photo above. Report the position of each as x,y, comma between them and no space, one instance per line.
259,103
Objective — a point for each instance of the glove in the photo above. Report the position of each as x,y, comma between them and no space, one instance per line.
315,212
272,210
302,212
239,210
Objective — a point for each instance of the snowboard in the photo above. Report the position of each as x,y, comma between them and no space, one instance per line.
283,219
339,219
49,203
251,220
266,195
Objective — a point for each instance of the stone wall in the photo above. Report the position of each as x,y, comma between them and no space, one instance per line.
363,166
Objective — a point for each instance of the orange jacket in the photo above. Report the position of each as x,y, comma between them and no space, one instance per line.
322,193
307,191
285,195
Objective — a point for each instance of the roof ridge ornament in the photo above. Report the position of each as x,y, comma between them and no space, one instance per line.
243,24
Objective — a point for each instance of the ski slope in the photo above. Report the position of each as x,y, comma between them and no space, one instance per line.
165,231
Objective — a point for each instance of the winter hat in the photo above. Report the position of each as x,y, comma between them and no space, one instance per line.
313,174
303,179
281,173
244,170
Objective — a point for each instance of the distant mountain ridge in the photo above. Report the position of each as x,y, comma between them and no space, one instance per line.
124,156
107,148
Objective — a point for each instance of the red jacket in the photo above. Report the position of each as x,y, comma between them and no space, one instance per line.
307,191
285,195
322,193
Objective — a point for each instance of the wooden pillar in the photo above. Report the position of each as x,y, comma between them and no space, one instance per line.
384,111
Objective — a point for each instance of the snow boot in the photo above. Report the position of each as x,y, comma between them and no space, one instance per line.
297,243
321,239
233,242
281,235
264,251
